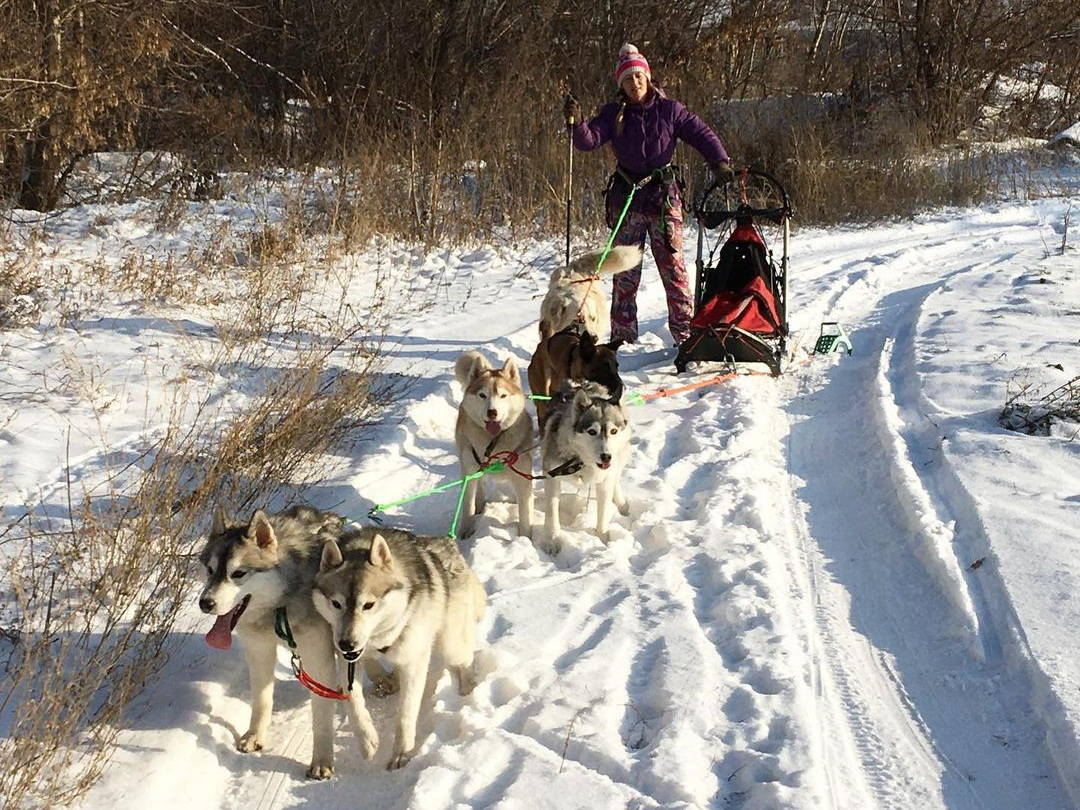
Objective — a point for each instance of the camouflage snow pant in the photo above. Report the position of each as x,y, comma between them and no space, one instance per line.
665,237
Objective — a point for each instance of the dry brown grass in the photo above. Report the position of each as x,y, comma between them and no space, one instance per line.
93,596
21,294
89,598
838,170
459,187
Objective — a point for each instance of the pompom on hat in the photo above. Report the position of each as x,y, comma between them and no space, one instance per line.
630,61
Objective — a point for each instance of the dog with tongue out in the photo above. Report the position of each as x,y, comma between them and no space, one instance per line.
252,570
493,424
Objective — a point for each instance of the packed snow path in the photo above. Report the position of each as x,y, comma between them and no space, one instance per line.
788,618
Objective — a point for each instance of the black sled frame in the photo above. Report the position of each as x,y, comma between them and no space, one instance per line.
745,201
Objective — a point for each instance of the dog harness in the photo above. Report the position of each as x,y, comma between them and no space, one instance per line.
284,632
487,450
509,457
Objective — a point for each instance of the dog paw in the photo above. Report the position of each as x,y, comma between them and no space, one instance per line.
551,546
249,743
398,761
384,686
368,746
320,770
624,508
466,681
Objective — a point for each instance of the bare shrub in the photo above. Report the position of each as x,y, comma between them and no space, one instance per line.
90,597
72,78
1029,410
21,294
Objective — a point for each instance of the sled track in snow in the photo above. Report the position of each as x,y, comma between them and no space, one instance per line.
912,647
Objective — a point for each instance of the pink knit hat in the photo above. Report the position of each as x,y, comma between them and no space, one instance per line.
630,61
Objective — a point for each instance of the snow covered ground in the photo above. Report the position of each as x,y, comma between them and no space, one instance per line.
848,587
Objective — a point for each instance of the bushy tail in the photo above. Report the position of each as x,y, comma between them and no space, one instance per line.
620,258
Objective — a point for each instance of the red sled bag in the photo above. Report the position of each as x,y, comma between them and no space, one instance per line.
752,309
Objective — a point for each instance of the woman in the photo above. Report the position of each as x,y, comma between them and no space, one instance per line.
643,125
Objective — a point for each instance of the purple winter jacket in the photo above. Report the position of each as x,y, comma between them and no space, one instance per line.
647,142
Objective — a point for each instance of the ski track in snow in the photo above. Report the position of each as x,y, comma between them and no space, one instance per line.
920,723
786,619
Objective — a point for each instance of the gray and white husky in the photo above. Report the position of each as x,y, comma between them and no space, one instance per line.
252,569
588,432
409,599
492,418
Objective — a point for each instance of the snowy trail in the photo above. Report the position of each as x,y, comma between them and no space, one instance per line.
938,718
785,620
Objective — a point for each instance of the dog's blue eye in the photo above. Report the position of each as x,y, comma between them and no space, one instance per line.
368,605
238,574
336,604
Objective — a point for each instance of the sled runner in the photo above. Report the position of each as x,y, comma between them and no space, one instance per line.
740,296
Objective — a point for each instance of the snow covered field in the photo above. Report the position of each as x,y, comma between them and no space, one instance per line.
845,588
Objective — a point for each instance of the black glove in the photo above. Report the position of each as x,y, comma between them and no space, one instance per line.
571,110
723,173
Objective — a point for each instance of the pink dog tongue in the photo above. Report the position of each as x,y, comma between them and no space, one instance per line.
220,635
492,427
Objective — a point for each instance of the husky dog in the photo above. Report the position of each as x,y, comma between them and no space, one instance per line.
492,418
252,569
389,592
589,434
573,354
574,292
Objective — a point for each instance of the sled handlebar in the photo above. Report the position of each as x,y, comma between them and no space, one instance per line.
715,217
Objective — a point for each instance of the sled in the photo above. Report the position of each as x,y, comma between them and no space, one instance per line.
740,293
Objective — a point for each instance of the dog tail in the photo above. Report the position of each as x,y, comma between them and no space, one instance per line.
469,365
620,258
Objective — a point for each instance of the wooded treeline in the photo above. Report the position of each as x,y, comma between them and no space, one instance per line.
414,89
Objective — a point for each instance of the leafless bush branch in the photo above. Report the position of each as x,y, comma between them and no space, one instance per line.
1028,410
90,597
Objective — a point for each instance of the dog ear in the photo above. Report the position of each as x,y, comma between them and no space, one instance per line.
510,369
582,402
260,531
380,552
468,366
331,557
220,522
587,346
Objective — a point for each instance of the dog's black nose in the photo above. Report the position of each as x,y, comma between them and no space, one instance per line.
347,645
492,413
207,605
605,458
